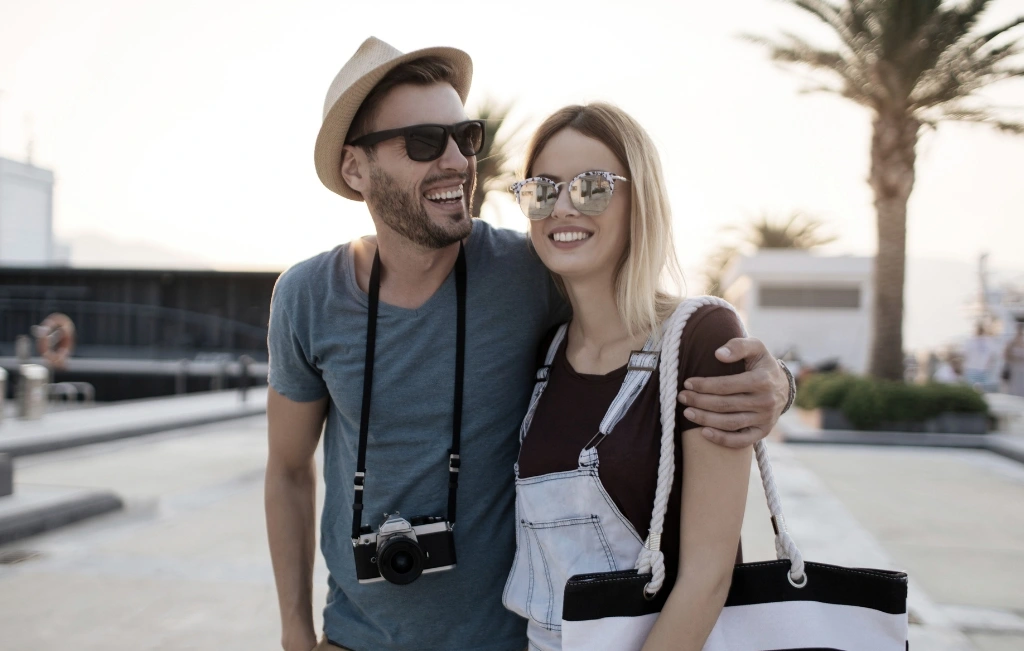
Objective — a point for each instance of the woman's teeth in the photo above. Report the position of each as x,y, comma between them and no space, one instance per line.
449,195
569,236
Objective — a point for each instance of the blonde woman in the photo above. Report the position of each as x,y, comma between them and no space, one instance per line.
600,221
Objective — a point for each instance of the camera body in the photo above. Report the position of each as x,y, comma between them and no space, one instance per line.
401,550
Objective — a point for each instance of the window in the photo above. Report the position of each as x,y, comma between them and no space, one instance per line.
829,298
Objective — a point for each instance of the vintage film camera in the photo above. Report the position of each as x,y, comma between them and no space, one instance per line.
401,550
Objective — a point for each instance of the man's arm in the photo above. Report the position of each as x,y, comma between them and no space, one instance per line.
290,500
738,410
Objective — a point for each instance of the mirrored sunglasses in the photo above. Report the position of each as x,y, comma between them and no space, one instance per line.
591,193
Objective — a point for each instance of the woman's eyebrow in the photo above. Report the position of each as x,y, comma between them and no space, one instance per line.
552,177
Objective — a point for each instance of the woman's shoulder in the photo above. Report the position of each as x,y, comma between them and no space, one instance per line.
709,328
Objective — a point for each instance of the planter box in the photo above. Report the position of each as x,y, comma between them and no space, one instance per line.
947,423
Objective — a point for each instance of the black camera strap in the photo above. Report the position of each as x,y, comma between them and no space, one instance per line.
460,362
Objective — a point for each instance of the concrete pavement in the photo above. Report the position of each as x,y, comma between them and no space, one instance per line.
185,565
111,421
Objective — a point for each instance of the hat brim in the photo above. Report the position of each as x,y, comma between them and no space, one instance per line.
333,132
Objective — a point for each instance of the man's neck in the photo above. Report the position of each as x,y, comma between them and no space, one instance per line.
409,273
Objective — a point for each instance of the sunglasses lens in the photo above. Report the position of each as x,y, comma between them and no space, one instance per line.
537,199
469,136
425,143
591,194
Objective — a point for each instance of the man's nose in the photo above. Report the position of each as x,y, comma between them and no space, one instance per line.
452,158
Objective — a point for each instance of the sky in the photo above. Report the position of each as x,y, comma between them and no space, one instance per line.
190,124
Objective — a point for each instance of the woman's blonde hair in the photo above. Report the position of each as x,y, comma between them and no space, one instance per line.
649,259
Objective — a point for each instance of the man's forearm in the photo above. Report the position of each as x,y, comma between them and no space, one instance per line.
290,498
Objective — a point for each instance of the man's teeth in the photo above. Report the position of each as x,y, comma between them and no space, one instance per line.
569,236
443,196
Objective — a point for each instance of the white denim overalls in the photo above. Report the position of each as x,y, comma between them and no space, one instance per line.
566,522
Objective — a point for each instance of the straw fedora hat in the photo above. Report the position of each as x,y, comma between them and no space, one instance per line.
372,61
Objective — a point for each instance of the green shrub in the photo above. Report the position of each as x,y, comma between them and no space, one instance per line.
954,398
824,390
867,402
863,404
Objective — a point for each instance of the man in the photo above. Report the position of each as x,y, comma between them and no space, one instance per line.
404,445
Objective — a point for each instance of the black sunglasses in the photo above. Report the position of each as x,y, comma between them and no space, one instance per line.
427,142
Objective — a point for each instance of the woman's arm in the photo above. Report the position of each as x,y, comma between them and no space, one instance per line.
714,497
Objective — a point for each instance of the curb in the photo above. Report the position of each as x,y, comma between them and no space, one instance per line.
54,515
1011,447
23,448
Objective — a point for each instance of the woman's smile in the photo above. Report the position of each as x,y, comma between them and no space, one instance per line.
569,237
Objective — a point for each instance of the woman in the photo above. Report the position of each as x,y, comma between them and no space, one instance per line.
600,221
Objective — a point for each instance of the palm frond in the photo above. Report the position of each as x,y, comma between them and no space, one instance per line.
903,56
492,165
799,52
984,116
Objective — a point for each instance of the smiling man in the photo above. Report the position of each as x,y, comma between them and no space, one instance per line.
413,353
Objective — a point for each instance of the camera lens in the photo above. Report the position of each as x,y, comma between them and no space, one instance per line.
400,560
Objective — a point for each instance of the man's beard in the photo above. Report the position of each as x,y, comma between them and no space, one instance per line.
403,212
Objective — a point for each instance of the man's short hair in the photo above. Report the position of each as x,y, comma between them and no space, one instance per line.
421,72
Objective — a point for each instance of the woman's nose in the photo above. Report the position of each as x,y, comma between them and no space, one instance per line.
563,204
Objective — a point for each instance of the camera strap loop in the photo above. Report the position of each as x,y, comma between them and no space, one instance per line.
460,363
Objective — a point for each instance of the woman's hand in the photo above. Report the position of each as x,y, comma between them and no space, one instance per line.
738,410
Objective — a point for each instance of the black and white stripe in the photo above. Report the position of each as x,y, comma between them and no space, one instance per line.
838,608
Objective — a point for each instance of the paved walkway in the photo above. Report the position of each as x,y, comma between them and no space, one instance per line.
954,519
185,565
110,421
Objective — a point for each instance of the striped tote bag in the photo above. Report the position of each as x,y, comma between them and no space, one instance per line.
782,605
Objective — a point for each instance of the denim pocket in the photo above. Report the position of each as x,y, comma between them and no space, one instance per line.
558,550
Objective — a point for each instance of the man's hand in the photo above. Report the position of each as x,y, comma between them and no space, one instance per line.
738,410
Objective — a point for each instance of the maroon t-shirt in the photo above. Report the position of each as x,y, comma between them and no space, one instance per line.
573,405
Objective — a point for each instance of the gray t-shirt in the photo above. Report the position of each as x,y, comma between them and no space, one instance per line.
317,348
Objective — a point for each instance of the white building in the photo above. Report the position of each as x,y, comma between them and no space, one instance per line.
819,307
26,215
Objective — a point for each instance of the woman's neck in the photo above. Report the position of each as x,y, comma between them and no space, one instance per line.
410,274
599,341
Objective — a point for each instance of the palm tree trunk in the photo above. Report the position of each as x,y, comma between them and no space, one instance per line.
892,179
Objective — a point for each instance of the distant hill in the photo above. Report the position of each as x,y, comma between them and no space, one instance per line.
95,250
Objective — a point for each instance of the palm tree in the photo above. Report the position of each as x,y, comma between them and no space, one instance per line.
798,231
795,232
492,161
912,63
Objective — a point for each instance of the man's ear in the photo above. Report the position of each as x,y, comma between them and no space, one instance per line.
355,168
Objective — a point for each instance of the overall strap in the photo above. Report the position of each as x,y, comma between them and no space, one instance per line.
542,379
642,364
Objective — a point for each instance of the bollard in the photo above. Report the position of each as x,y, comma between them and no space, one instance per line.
244,362
181,377
33,391
3,393
6,475
23,348
218,381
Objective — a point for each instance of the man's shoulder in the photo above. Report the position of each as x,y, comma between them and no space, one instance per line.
309,278
502,245
498,241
